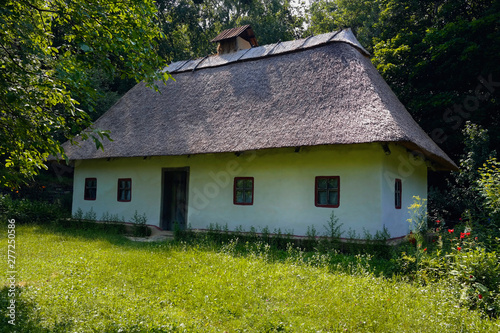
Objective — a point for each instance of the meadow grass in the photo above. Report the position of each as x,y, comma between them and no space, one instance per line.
88,281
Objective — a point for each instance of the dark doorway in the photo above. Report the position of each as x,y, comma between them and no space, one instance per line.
174,198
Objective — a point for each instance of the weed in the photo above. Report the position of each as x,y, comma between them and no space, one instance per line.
90,215
140,228
82,280
78,214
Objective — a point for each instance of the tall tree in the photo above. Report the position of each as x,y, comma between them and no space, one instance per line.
191,24
361,16
47,50
441,58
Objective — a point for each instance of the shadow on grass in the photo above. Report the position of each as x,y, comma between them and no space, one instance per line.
112,233
22,315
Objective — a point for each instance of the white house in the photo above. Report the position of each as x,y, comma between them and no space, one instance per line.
279,135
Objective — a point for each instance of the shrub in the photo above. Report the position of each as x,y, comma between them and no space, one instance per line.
25,211
489,185
461,262
462,192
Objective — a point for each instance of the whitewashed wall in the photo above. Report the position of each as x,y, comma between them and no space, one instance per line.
411,168
283,188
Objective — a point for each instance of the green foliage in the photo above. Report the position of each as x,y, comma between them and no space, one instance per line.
460,261
418,222
90,215
331,15
81,280
28,211
107,217
47,51
78,214
333,229
440,58
464,191
189,25
140,228
489,184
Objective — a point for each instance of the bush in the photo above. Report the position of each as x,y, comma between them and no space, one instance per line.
26,211
462,263
489,185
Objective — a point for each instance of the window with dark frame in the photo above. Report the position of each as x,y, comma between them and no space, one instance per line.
243,191
327,191
124,189
90,189
398,190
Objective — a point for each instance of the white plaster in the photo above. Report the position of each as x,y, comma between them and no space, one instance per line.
412,170
283,191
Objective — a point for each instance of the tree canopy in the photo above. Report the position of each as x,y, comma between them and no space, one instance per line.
48,50
65,62
440,58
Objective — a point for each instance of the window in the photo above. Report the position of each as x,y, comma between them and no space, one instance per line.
243,191
90,189
397,193
124,189
327,191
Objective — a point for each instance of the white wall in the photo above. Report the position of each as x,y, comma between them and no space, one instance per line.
283,190
412,170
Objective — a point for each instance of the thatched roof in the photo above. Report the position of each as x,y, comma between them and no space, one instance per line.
321,90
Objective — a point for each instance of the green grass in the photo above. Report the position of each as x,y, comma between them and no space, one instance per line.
81,281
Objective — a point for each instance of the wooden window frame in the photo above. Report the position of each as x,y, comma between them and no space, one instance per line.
398,193
235,189
86,195
124,189
316,192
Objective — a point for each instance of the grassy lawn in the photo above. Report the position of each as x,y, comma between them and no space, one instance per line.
80,281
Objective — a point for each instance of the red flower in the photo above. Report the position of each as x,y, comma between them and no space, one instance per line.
451,230
467,234
438,221
425,249
462,235
480,296
475,238
459,248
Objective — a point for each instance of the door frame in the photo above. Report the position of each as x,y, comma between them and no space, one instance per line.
162,203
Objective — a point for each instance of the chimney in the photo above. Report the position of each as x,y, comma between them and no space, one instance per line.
233,40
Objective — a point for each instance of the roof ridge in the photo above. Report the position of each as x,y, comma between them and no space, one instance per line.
268,50
331,94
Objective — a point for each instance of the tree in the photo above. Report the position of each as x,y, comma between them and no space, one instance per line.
464,185
441,59
190,24
47,52
361,16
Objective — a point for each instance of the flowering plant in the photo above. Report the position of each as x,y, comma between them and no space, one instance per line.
460,259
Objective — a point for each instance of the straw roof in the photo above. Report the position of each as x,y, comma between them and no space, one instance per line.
321,90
